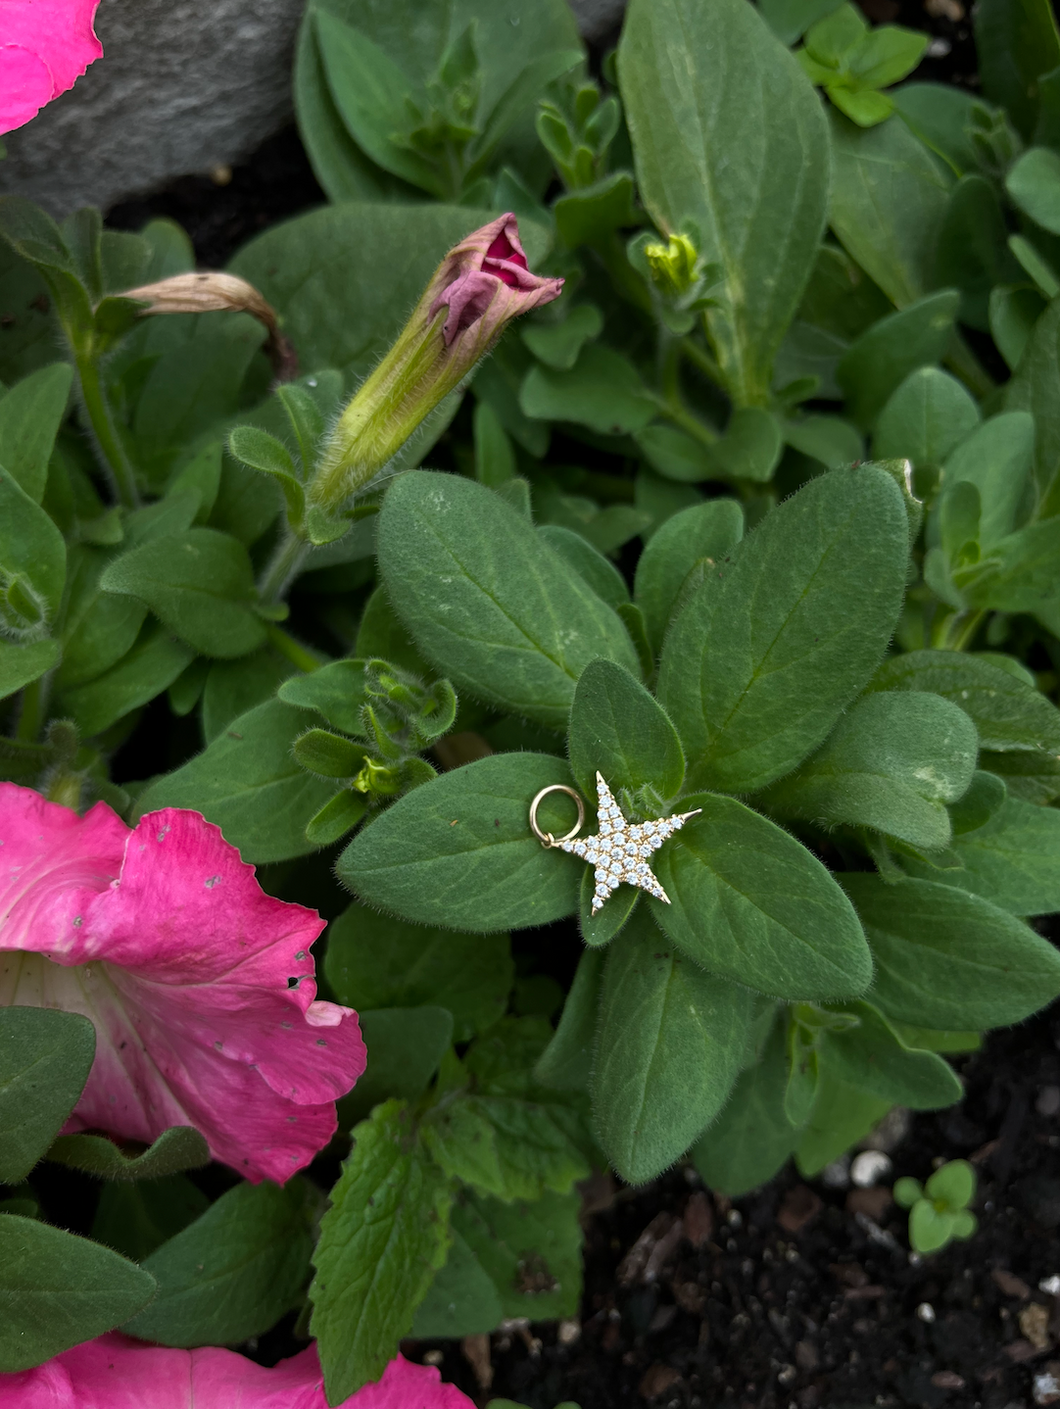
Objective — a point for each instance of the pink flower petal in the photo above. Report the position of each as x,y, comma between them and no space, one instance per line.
484,281
59,32
201,987
115,1372
25,85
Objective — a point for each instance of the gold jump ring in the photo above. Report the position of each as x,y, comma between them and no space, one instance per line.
546,838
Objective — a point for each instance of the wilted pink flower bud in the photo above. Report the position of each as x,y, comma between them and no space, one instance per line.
481,284
45,47
487,282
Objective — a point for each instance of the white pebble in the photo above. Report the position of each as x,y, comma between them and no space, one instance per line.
837,1174
869,1168
1046,1388
926,1312
1050,1285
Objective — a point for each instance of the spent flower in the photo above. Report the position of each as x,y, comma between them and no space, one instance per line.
479,287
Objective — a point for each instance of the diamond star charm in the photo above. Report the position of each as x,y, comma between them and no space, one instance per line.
619,851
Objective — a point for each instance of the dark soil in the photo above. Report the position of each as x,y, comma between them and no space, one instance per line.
791,1299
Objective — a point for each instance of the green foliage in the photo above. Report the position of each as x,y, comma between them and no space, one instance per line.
57,1290
45,1058
938,1210
651,546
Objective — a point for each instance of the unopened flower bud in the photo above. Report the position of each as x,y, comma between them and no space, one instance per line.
481,284
673,265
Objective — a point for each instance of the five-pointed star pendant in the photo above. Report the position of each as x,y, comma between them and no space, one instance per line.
619,851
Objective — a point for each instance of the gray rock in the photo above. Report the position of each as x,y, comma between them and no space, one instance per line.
184,86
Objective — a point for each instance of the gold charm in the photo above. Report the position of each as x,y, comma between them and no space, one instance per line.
619,852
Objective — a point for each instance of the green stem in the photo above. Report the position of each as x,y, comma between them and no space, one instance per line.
293,650
31,716
105,431
690,424
701,358
956,631
283,569
962,360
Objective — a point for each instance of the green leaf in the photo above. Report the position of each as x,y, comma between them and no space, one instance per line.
405,1047
335,690
32,564
728,134
248,783
881,359
603,391
764,657
701,531
1034,185
930,1228
136,1218
591,214
997,459
751,446
234,1271
953,1184
567,1060
375,961
232,687
753,1137
30,416
459,852
558,344
874,1058
320,272
1017,42
263,452
532,1252
1036,388
946,959
1008,713
885,55
495,462
927,416
617,729
200,584
21,665
57,1290
148,669
864,107
506,1146
329,755
892,763
1031,777
1022,574
463,1299
381,1242
670,1042
590,564
180,1147
478,590
674,454
750,902
1012,860
789,19
889,199
337,817
45,1058
841,1116
98,629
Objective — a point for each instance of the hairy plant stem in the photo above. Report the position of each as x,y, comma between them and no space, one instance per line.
31,715
956,631
283,568
293,650
105,432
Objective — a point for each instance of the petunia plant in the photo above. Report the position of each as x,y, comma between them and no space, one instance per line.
547,664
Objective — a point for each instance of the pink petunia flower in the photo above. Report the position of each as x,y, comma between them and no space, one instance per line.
201,987
115,1372
45,47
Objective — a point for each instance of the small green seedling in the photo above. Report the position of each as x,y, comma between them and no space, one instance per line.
938,1210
